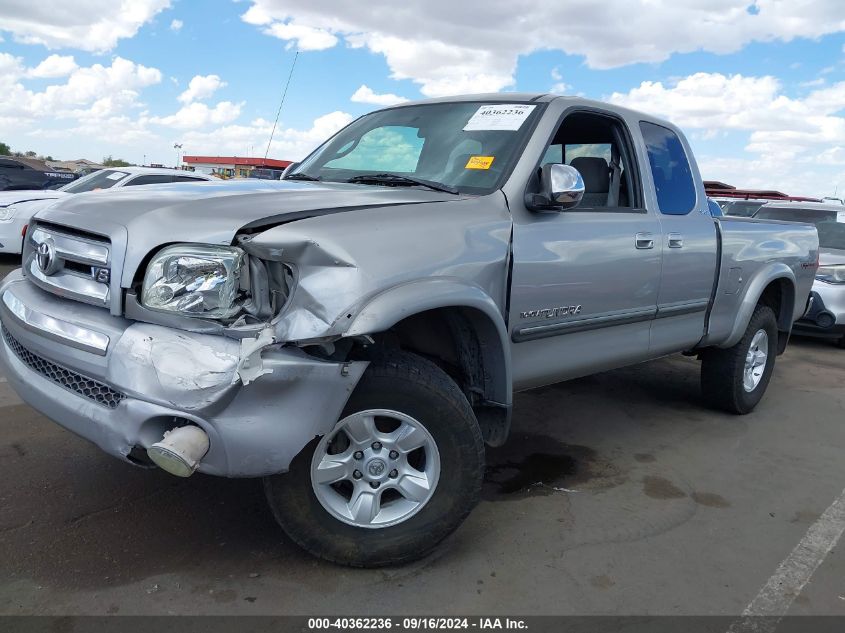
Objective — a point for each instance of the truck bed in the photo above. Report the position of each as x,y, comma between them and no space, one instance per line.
752,252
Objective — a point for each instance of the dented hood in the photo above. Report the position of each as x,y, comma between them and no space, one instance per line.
147,217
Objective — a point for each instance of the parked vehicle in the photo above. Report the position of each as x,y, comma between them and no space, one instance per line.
266,173
17,174
715,209
826,317
354,334
17,208
740,208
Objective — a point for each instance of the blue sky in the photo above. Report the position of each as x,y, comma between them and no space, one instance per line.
759,86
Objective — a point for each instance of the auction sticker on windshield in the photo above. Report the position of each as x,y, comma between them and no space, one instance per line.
479,162
503,116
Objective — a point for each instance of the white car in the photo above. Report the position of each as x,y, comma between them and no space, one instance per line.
826,315
18,207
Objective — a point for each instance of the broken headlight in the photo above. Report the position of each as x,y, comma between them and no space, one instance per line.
201,281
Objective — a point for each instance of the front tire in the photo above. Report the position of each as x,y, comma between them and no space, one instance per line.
735,379
399,472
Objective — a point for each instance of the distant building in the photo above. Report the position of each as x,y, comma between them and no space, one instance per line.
35,163
231,166
716,189
80,164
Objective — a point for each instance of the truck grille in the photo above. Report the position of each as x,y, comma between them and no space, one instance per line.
70,263
70,380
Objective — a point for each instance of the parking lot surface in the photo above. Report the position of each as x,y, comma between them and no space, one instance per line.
617,494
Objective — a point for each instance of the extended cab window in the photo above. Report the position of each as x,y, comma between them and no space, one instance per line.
597,146
670,169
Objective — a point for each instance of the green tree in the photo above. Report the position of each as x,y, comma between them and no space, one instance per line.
108,161
5,150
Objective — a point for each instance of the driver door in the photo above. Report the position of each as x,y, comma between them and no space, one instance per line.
585,280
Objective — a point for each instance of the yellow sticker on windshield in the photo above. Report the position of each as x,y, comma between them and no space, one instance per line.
479,162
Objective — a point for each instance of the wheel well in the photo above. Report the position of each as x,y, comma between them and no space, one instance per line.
779,295
465,344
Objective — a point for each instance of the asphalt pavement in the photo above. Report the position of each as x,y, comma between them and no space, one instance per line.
620,493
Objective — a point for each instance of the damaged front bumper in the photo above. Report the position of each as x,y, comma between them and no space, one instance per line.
122,384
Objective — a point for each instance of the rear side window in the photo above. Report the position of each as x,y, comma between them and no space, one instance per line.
670,169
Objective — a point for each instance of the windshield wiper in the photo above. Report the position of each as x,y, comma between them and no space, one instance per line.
302,176
397,179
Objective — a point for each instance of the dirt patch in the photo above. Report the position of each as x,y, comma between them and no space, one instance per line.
645,458
710,500
602,582
661,488
542,465
805,516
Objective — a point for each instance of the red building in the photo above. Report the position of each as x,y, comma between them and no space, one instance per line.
231,166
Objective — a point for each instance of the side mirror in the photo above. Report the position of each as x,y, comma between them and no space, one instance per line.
562,186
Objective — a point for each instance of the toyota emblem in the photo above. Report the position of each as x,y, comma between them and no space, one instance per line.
376,467
45,257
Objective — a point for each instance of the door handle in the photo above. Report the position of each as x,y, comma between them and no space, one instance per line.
644,240
676,240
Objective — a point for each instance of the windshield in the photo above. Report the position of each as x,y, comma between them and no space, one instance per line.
103,179
466,146
831,231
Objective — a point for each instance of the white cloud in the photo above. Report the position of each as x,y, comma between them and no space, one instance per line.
89,25
54,66
559,87
288,143
198,115
176,25
201,87
449,47
95,90
788,138
305,38
364,94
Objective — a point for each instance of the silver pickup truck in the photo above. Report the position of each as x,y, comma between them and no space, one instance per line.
354,334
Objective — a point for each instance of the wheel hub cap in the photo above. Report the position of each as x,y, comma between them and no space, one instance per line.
377,468
755,361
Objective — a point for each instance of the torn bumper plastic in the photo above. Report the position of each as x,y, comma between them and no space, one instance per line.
120,384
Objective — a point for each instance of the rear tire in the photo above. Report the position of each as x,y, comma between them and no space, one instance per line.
735,379
325,518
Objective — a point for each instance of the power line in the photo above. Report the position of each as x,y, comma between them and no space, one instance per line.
281,103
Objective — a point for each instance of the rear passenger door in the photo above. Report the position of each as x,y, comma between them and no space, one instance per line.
689,242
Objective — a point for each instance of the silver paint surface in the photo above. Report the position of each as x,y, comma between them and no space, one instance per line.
366,257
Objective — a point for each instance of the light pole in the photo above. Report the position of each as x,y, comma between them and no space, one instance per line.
177,147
